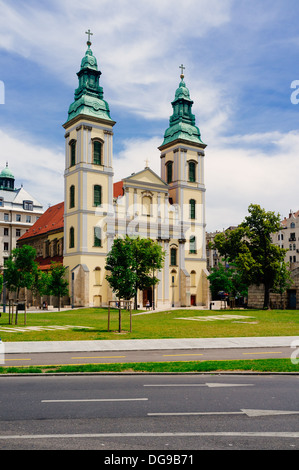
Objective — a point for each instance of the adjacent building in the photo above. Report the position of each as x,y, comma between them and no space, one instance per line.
46,236
288,238
19,210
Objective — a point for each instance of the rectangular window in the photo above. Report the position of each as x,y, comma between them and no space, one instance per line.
97,195
18,217
169,172
192,209
192,167
28,219
28,205
173,257
1,202
18,232
5,246
192,245
73,152
6,217
97,153
5,231
97,236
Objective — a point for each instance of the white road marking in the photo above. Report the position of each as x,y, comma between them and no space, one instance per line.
211,385
279,435
249,413
93,399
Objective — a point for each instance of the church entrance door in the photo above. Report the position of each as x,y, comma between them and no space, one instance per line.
147,297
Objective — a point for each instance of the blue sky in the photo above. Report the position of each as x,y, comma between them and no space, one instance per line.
241,57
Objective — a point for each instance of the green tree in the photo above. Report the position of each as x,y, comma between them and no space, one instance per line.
251,249
228,279
40,285
20,271
122,278
282,282
57,283
148,258
132,263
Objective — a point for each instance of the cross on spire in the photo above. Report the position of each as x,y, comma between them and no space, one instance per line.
89,34
182,70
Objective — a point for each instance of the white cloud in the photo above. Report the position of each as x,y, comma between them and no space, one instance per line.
39,169
132,158
138,43
237,177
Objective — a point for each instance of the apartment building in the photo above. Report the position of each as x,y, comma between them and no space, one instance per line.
19,210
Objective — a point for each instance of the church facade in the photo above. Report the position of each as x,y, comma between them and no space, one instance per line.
168,208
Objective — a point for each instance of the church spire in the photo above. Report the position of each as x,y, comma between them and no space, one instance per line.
88,99
182,122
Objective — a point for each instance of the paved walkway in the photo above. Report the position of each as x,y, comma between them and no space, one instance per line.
146,344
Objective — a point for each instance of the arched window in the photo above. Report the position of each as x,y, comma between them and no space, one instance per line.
146,205
192,244
97,195
97,152
72,196
192,204
169,166
192,168
173,255
73,152
72,237
193,278
97,275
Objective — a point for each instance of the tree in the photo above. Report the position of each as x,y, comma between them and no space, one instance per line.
122,278
282,282
148,257
20,270
57,284
40,285
227,278
132,263
250,247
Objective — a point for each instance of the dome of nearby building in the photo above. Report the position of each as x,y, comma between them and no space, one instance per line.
6,173
7,179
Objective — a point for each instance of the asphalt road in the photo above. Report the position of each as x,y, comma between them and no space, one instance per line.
32,359
156,413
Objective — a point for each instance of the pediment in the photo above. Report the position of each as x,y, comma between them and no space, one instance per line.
146,177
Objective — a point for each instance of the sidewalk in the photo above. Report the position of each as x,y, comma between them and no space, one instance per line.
154,344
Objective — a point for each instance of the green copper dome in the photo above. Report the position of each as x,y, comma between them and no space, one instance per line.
182,122
6,173
7,179
89,94
89,60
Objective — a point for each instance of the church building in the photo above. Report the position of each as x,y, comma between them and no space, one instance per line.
168,208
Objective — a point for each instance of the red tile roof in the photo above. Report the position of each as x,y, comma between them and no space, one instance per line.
51,220
45,263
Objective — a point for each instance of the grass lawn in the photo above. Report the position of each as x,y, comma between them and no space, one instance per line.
92,323
258,365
